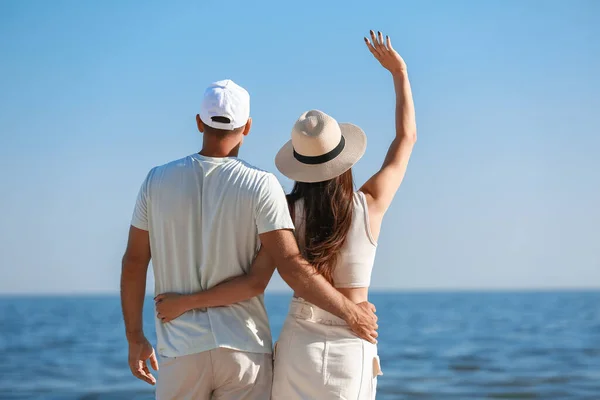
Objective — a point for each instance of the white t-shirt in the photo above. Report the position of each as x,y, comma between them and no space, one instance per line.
204,216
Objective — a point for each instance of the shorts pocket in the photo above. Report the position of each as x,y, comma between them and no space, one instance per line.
376,372
376,367
164,362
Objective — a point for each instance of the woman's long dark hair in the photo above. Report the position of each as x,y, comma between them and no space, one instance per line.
327,218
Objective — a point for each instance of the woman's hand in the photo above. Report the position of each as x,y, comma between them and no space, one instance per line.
170,306
385,53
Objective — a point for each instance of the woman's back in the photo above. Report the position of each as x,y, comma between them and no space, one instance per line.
318,356
354,265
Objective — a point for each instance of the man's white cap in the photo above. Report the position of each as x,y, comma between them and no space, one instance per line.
226,105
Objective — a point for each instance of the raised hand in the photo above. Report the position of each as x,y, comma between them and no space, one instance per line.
385,53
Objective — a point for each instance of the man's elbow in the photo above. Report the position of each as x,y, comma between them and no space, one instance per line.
286,275
257,286
291,277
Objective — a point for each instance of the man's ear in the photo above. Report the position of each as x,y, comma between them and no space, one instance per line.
199,123
247,127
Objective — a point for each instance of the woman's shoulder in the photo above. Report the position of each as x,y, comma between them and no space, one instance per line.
359,199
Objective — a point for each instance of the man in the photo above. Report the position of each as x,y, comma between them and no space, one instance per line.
200,219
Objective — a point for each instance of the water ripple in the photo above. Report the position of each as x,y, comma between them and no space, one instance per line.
433,346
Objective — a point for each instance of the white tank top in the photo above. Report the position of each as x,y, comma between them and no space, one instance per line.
355,262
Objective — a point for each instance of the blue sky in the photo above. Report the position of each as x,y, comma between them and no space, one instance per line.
502,190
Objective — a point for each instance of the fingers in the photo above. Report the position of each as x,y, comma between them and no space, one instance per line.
163,296
376,45
364,335
140,371
372,307
371,48
369,336
373,335
162,318
368,333
153,361
371,327
148,374
373,339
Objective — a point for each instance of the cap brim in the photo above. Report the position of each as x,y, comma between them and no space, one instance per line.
356,144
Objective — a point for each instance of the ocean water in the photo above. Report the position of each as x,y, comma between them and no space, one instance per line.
432,346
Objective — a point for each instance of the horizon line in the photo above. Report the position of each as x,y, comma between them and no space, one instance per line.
371,291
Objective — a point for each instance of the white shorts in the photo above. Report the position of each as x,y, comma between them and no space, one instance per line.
216,374
318,357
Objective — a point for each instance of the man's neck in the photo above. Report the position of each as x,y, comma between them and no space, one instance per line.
218,149
217,154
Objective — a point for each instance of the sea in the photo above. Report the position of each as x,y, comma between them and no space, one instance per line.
440,345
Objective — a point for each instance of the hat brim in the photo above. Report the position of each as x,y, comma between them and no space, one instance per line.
354,149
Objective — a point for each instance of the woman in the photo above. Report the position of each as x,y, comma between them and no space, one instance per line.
317,356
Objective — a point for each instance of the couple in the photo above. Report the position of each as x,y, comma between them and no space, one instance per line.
216,228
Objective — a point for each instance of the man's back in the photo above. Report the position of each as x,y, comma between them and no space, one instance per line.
204,216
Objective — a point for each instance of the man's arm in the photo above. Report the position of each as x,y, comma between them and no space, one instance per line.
133,281
302,277
133,289
274,227
234,290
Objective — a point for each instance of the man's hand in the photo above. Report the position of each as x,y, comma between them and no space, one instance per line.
363,321
140,350
170,306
